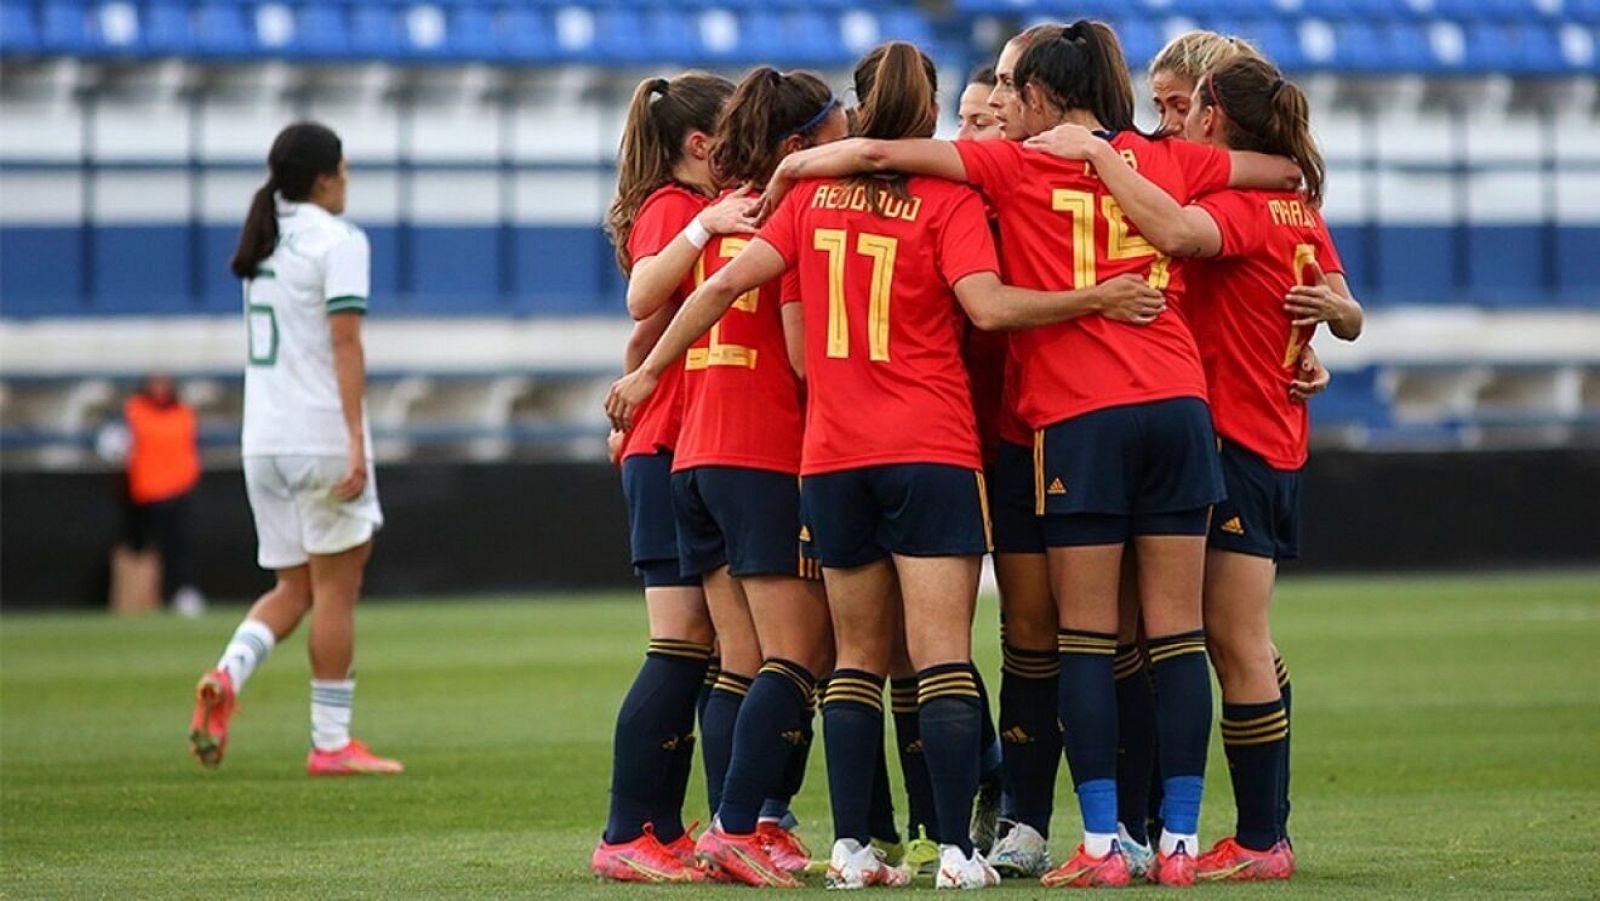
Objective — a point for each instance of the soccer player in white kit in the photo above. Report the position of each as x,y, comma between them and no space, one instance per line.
306,445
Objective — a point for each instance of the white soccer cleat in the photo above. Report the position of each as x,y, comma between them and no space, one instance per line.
957,870
852,866
1021,853
1141,858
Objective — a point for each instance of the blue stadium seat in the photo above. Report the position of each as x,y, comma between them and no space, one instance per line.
19,35
671,35
167,28
525,34
65,28
320,31
1353,398
472,33
222,30
375,31
1141,40
619,34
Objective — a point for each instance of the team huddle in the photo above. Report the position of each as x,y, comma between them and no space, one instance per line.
864,358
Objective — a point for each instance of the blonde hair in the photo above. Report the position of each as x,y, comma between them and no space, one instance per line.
1194,53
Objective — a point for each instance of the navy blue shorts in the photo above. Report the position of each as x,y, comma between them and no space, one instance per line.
858,516
1140,469
1261,516
652,529
1017,529
748,519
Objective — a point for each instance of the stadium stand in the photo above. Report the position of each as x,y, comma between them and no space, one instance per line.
1462,135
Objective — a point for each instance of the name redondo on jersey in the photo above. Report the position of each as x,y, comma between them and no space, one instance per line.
854,197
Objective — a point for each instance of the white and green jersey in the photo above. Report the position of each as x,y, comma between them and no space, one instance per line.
291,394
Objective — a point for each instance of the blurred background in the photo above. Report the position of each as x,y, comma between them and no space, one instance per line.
1464,146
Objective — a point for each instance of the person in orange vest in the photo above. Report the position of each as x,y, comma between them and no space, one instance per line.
163,468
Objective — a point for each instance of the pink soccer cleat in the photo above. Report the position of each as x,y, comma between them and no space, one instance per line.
214,704
351,760
644,860
1229,861
1177,869
1087,871
682,847
740,858
784,847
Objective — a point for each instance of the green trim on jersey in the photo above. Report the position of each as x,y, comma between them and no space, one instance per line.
264,272
347,303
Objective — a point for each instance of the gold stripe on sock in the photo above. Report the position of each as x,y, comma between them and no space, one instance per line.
733,683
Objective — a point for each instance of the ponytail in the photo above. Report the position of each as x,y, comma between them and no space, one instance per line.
300,154
259,236
661,115
766,109
897,84
1260,111
1079,67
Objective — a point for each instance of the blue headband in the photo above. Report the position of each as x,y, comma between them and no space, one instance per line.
816,120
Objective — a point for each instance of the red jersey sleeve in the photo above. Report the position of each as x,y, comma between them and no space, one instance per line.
789,286
1205,169
1239,218
993,167
660,220
966,245
782,230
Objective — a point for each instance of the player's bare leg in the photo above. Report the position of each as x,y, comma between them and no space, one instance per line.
271,619
335,590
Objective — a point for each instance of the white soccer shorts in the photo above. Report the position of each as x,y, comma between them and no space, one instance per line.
296,514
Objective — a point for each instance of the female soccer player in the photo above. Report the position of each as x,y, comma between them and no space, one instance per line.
893,485
1174,73
1124,448
307,455
736,498
977,119
1274,276
662,215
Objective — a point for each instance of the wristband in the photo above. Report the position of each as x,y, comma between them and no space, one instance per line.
696,233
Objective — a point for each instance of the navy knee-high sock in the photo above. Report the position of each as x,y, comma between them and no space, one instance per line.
1136,739
716,731
852,736
776,807
1254,737
1283,779
650,730
1030,735
1183,726
1088,708
913,763
768,731
948,714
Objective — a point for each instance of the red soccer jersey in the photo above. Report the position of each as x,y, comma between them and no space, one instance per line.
883,327
662,216
741,404
1249,347
1060,229
984,354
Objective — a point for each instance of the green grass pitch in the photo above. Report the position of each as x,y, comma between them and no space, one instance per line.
1447,743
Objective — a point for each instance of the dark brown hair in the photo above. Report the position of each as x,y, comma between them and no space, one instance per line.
661,116
983,75
1079,67
897,84
1262,112
767,107
300,154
